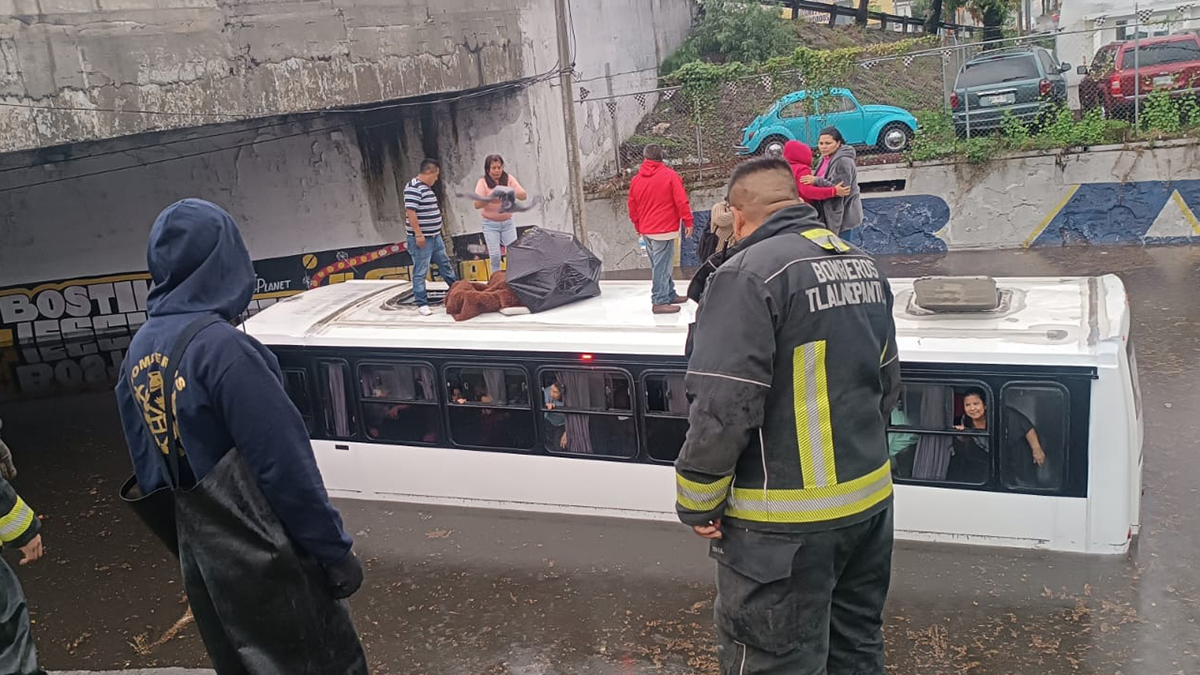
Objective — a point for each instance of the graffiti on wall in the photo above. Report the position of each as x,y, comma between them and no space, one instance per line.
1151,212
902,225
906,224
1142,213
66,335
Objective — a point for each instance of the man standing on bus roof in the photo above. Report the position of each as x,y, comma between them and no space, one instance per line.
423,223
657,205
792,371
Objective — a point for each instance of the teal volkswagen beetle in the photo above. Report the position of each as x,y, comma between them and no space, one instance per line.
801,115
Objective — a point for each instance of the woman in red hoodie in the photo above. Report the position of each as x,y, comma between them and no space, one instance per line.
799,157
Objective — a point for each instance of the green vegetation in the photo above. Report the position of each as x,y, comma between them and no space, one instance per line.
723,34
725,80
1057,129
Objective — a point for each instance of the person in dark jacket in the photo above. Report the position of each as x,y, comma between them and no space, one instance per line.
19,529
792,372
228,395
799,157
839,165
657,205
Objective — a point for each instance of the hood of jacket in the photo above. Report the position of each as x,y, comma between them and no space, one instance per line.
198,261
799,156
844,151
650,167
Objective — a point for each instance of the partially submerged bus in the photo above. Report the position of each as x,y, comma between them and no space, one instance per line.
1019,424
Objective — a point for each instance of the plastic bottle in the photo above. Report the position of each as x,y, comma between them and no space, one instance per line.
642,247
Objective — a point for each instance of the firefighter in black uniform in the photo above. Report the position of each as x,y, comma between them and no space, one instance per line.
792,372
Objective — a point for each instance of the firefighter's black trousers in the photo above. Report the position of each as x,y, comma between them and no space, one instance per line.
803,604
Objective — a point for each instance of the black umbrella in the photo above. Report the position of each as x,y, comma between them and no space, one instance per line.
547,269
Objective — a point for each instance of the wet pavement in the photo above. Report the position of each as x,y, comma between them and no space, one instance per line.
456,591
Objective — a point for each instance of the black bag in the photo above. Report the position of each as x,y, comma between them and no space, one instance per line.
157,509
547,269
262,606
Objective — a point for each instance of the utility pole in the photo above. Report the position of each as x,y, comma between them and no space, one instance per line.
567,84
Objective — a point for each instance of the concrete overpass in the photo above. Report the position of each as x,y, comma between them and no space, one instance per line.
78,70
305,118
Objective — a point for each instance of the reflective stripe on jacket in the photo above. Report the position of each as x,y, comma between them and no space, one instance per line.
792,369
18,523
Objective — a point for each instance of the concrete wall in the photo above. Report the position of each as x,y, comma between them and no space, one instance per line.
206,61
629,55
1107,195
351,199
299,193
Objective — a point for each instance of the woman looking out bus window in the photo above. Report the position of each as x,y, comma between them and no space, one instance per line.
972,459
971,452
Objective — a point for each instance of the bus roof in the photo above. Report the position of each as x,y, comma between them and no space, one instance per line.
1042,321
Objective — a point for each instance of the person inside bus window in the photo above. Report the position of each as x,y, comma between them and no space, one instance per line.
1025,457
971,458
900,443
556,422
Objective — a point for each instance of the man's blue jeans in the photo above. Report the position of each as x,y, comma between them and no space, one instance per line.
662,262
434,250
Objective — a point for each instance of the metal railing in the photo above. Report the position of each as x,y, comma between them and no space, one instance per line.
833,11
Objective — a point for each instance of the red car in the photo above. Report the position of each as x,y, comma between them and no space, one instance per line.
1096,77
1171,63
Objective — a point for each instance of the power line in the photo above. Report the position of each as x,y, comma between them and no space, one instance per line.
125,111
627,72
148,146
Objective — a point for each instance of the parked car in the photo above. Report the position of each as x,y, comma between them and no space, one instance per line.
1171,63
1095,80
1016,81
801,115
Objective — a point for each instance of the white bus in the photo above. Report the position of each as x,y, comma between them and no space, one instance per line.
582,410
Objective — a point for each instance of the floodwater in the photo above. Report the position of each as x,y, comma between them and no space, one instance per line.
457,591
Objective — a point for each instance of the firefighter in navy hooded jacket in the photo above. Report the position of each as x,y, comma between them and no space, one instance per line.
229,391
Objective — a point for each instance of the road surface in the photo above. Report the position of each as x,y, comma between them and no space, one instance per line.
453,592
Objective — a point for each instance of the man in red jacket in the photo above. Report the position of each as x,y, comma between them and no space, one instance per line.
657,204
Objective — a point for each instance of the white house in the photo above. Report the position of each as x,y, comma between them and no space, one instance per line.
1087,25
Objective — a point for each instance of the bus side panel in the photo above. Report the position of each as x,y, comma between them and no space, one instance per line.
339,464
503,480
991,518
1109,450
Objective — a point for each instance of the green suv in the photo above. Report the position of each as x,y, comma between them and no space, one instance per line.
1016,81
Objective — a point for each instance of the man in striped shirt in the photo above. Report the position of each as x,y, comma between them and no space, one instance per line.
424,228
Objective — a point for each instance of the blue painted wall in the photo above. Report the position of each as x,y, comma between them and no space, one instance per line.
1097,213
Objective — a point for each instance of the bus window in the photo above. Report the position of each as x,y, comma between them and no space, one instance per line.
295,383
1033,436
666,415
938,433
399,403
335,395
588,412
489,408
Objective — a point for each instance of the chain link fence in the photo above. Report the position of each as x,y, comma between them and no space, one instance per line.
1142,70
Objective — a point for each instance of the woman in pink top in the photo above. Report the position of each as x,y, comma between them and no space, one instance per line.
498,227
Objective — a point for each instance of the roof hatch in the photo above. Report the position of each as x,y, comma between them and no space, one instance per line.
957,295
